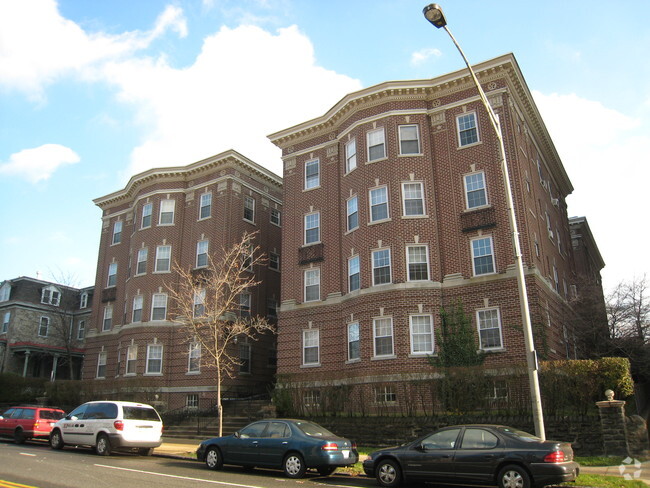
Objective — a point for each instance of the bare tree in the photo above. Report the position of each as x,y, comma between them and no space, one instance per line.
207,302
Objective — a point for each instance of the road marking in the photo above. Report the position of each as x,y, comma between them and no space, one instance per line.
27,454
9,484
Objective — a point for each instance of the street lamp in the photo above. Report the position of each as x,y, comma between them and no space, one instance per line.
434,14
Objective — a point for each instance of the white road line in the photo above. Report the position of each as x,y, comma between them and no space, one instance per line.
27,454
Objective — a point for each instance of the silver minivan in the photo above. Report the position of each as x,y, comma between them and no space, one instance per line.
108,426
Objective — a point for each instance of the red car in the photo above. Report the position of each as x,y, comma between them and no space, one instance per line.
29,422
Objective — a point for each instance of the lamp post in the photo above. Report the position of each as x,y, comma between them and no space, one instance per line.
434,14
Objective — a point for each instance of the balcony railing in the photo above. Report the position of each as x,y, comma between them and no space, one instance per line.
311,254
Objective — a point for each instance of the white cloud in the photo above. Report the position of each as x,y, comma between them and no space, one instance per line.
421,56
38,163
605,153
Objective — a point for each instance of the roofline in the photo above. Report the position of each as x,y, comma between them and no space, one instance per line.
590,236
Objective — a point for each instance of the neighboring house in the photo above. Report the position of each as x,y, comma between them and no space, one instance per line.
178,216
43,328
394,207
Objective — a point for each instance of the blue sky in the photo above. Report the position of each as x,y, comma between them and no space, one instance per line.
93,92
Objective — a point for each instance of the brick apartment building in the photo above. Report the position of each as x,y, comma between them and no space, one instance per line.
394,207
170,216
43,328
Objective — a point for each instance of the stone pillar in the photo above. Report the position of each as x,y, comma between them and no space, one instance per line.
25,364
612,424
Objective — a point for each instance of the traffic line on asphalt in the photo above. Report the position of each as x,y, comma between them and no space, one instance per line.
10,484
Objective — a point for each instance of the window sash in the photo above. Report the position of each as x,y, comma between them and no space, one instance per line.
489,326
194,358
409,139
107,323
205,206
147,210
312,228
202,254
354,273
154,358
101,365
475,193
137,308
44,326
275,216
311,346
381,267
141,266
131,360
413,199
249,209
354,351
353,213
467,130
378,204
167,208
163,258
383,336
312,285
417,258
350,155
117,232
422,339
159,307
376,144
482,255
274,261
312,174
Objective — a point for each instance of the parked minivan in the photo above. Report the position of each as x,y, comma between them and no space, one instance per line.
108,426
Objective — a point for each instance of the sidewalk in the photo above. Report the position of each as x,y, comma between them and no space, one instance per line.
173,447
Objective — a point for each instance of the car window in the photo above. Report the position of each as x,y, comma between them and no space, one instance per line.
519,434
79,412
18,413
101,411
50,414
277,429
8,414
253,430
28,413
479,439
313,430
444,439
140,413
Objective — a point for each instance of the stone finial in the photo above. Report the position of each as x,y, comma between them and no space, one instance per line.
609,394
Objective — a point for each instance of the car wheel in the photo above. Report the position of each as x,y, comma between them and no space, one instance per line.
56,441
389,473
19,436
513,476
213,459
103,447
294,466
326,470
145,451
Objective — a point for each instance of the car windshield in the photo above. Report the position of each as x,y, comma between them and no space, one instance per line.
140,413
519,434
51,414
313,430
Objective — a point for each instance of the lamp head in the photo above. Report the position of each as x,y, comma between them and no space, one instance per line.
434,14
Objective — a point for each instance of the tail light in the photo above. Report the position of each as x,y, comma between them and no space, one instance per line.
118,424
354,446
554,457
330,446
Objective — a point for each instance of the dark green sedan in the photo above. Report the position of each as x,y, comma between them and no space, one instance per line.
292,445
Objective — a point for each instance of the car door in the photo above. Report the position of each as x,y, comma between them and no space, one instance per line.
8,424
73,425
274,444
478,456
243,447
432,458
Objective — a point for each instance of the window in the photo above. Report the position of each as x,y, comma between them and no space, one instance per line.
354,273
382,329
381,271
312,174
202,253
274,261
247,257
112,274
354,351
245,304
378,204
409,139
141,266
385,394
350,155
137,308
556,280
376,144
482,256
167,212
205,206
192,401
467,131
249,209
276,216
199,303
421,334
43,327
154,358
147,210
310,346
101,365
413,199
417,261
107,323
5,322
311,398
353,213
159,307
312,284
312,228
475,194
479,439
271,307
51,296
117,232
489,328
81,329
5,291
244,357
131,359
163,259
194,358
83,300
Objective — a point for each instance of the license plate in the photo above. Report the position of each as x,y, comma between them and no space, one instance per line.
346,453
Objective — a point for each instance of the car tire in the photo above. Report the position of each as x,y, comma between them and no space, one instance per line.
145,451
294,465
513,476
19,436
388,473
213,458
56,441
326,470
103,446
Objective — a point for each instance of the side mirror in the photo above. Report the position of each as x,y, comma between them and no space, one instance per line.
237,435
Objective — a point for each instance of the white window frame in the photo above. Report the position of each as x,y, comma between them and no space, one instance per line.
205,205
194,358
376,142
312,180
312,281
375,202
352,210
249,208
158,302
101,364
374,257
154,357
202,249
81,329
141,261
138,304
385,394
43,326
409,277
245,301
354,336
274,261
309,220
5,322
387,327
350,155
117,232
310,341
481,321
192,401
198,310
351,264
163,258
131,360
167,212
107,321
5,292
403,141
420,336
112,275
471,185
475,257
276,217
460,131
409,196
51,296
147,213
